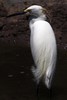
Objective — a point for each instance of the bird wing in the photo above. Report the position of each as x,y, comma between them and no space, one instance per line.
43,47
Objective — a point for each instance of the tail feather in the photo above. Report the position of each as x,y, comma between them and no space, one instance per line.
45,67
36,75
49,75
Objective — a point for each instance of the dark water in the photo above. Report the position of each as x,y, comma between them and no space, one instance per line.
16,80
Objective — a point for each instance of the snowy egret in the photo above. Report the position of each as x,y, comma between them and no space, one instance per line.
43,45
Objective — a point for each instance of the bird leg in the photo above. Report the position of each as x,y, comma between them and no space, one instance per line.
50,94
37,90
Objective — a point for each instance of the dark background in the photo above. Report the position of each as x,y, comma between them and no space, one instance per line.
16,79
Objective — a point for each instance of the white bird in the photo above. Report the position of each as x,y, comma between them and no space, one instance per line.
43,45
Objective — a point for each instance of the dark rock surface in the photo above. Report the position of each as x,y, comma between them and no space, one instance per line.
16,79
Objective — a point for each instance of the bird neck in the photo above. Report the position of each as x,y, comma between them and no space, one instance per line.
33,18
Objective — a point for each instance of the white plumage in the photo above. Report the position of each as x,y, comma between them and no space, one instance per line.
43,45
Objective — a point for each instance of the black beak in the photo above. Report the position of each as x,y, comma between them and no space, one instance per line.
15,14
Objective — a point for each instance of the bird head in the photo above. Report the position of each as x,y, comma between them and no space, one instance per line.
36,11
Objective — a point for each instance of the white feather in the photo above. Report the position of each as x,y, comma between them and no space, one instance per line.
43,48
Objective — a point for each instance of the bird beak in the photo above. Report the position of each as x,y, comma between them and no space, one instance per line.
15,14
18,13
